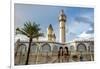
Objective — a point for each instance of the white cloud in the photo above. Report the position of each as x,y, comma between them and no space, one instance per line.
71,36
85,35
90,28
76,27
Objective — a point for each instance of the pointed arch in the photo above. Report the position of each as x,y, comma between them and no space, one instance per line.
81,47
20,55
46,48
55,49
34,48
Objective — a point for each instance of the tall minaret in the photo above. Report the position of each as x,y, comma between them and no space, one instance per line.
62,20
49,32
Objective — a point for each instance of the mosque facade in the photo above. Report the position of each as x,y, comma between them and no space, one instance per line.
51,51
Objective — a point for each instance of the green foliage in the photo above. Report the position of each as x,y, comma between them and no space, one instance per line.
31,30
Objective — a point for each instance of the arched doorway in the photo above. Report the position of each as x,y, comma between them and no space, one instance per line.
66,50
66,54
60,52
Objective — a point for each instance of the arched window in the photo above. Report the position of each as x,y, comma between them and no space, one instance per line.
34,48
45,48
21,48
81,47
55,49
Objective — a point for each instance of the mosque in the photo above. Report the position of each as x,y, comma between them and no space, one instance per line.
51,51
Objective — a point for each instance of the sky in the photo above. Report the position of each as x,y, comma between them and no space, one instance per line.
79,24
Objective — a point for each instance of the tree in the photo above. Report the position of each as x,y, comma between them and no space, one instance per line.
31,30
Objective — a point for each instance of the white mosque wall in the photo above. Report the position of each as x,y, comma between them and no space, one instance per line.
44,50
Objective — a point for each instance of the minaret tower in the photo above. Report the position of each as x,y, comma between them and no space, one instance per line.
62,20
49,33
